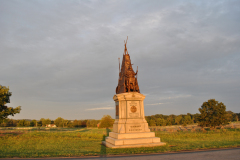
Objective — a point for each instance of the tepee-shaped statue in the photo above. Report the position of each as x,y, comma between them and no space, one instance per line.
130,129
127,81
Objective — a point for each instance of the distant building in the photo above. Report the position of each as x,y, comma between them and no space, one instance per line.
51,125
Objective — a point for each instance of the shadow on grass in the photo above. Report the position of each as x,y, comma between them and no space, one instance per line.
103,151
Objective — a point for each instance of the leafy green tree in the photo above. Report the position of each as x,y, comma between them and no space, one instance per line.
230,116
169,121
70,124
84,123
33,123
23,123
187,120
160,122
236,117
88,123
75,123
59,122
152,122
92,123
4,99
45,121
41,121
4,123
9,123
27,123
178,120
106,122
212,114
196,117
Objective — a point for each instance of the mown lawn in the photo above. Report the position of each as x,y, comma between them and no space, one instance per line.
84,142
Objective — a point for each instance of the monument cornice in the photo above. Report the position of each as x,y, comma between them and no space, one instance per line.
128,97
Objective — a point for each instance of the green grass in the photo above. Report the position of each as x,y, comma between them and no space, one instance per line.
85,142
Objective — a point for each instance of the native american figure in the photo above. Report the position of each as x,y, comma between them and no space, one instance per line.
127,81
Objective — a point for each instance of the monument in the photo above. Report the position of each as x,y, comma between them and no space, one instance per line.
130,128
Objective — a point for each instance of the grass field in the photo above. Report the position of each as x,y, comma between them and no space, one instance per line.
85,142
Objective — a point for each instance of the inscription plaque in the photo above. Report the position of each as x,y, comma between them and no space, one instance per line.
135,128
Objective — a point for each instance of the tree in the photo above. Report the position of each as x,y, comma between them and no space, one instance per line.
160,122
187,120
23,123
212,114
92,123
70,124
32,123
9,123
106,121
5,98
45,121
178,119
152,122
75,123
230,116
59,122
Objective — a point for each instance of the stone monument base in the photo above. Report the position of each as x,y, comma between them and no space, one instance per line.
132,140
130,128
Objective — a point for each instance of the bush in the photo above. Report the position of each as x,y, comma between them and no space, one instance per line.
106,122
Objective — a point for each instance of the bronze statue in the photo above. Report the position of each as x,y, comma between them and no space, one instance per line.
127,81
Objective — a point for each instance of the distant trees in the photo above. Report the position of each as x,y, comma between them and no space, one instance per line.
160,122
77,123
44,122
165,120
186,120
9,122
4,99
106,122
212,114
152,122
60,122
92,123
23,123
178,120
33,123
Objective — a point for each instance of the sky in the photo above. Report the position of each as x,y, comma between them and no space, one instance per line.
60,57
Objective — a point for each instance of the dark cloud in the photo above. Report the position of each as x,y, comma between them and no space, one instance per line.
59,58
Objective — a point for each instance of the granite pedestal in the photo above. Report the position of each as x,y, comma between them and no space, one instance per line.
130,128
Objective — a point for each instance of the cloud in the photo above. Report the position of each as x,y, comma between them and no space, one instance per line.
175,97
153,104
103,108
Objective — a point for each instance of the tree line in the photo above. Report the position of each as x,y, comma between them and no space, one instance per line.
106,121
153,120
59,122
183,119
